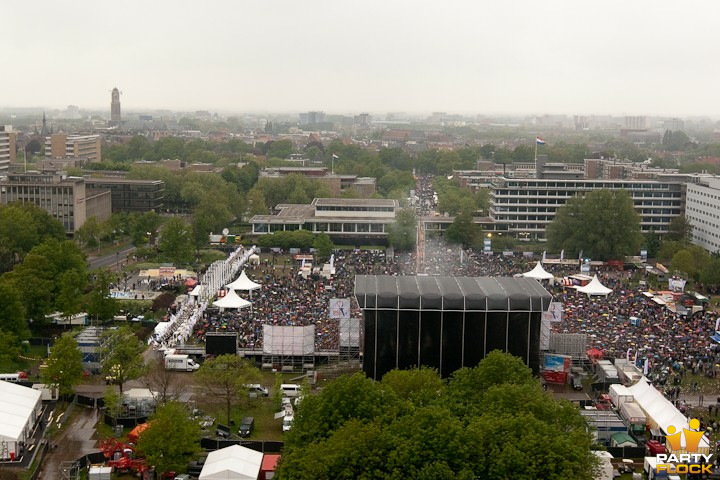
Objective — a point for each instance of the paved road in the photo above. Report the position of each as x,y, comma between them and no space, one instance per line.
110,260
76,440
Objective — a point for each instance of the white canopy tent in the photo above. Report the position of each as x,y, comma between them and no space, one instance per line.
661,412
232,463
594,288
538,273
243,283
197,291
231,300
254,259
20,408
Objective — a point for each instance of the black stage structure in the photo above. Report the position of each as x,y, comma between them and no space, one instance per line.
448,322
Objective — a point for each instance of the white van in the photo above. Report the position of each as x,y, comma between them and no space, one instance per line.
290,389
257,390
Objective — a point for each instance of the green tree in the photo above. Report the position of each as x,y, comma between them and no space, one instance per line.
603,224
176,242
409,426
12,311
100,304
166,384
680,230
9,348
121,355
463,230
224,378
402,234
171,439
323,245
23,227
710,274
64,365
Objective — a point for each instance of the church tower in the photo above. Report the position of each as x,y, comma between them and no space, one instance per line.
115,107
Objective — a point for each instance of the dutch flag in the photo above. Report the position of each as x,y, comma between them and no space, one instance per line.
539,141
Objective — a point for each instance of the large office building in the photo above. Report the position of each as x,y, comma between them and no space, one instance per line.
363,186
525,207
65,198
131,195
7,147
86,147
448,322
702,210
346,220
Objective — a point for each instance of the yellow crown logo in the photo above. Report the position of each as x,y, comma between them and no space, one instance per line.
692,437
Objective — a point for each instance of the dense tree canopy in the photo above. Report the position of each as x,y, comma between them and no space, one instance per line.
122,358
492,422
64,366
171,439
603,225
402,234
23,227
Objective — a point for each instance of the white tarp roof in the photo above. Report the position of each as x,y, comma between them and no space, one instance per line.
538,273
594,288
161,327
231,300
196,291
232,463
243,283
660,410
17,404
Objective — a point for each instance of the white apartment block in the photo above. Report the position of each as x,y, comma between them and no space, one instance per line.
702,210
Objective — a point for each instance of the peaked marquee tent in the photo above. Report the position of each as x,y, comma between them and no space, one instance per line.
233,462
243,283
538,273
231,300
594,288
20,408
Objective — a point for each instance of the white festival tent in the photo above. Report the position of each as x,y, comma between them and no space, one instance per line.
594,288
538,273
20,408
243,283
231,300
661,412
233,462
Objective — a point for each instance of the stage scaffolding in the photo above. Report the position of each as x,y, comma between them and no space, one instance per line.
289,348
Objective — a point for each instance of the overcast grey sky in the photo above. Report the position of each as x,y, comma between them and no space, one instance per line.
634,57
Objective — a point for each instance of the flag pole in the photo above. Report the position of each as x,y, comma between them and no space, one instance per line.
537,174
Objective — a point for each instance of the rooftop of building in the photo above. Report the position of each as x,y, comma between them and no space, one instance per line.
355,202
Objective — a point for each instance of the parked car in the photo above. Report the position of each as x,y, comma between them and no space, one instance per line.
246,426
257,390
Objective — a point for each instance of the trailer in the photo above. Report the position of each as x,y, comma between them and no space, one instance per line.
634,416
620,394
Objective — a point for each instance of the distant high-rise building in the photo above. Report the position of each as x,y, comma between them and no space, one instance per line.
7,147
363,119
312,118
635,123
87,147
115,106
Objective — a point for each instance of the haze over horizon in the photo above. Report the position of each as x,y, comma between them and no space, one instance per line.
621,58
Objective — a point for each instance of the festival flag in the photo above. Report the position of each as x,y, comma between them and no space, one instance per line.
627,354
562,255
646,367
580,256
335,156
462,255
539,141
717,324
544,253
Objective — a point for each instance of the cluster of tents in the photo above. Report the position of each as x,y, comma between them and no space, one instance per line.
232,299
594,288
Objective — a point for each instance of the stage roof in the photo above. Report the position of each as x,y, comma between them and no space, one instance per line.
380,292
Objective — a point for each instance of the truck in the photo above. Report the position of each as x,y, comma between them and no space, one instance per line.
620,394
180,362
650,468
633,415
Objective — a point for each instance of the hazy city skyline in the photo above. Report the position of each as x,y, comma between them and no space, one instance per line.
621,58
